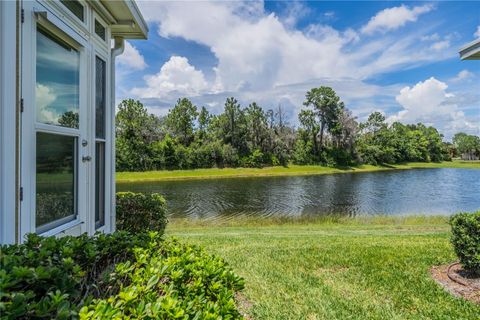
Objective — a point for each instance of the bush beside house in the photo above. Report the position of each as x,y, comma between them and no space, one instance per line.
137,212
125,275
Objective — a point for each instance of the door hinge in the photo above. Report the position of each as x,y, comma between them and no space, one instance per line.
22,15
21,105
21,194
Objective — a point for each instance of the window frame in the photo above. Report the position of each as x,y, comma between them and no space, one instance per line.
100,140
73,15
102,52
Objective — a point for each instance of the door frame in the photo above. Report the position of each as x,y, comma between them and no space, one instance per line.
34,15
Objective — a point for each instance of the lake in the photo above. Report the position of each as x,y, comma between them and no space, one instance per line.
399,192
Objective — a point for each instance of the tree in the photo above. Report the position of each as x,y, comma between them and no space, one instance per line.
204,119
135,131
375,122
257,126
467,145
327,105
233,126
180,121
309,123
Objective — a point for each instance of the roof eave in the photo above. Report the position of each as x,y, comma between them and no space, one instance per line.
471,51
124,17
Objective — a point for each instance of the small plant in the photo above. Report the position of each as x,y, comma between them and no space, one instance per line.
138,212
466,239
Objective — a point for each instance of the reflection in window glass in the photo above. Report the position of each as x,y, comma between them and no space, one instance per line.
100,95
99,184
100,30
75,7
55,180
57,87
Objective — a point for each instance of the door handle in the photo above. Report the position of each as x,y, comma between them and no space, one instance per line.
86,158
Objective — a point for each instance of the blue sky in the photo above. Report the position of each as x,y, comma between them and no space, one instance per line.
400,58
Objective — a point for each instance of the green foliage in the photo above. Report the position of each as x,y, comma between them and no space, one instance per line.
327,107
251,136
139,212
182,283
468,146
382,143
50,278
466,239
117,276
255,160
180,121
136,130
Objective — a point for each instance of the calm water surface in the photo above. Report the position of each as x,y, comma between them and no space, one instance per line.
419,191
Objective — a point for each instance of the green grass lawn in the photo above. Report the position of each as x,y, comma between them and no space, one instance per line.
292,170
366,268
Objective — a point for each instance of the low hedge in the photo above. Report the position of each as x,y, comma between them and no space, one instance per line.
139,212
466,239
116,276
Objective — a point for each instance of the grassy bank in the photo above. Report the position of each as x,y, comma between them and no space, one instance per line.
335,268
292,170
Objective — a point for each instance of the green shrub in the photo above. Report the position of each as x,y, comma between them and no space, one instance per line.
138,212
466,239
254,160
183,283
48,277
114,276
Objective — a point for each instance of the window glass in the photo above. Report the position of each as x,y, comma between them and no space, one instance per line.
55,180
99,184
57,86
75,7
100,97
100,30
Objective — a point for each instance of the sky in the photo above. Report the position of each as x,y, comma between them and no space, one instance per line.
399,58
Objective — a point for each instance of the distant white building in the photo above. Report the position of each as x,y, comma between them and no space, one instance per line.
57,153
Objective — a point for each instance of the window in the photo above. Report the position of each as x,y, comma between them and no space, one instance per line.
56,92
100,30
100,95
75,7
99,184
56,180
100,109
57,123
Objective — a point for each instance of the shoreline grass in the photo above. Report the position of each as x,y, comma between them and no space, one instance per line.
292,170
331,220
332,268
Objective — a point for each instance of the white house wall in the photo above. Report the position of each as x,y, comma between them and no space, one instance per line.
8,119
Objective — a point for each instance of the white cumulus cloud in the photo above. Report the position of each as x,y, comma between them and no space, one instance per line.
440,45
463,75
131,58
394,18
44,96
477,33
429,102
261,56
175,76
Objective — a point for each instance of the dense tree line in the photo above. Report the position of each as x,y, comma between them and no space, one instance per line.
189,137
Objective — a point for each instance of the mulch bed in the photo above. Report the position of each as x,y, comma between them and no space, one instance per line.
457,281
